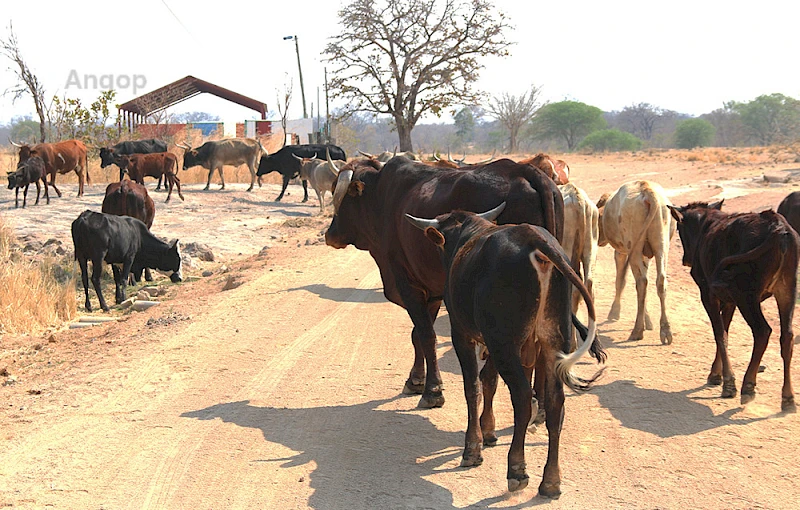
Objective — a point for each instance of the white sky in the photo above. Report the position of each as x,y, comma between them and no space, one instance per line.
688,56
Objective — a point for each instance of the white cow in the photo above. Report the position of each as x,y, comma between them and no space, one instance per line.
636,222
580,235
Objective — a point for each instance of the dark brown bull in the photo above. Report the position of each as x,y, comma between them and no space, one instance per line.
557,169
129,198
60,157
28,172
369,207
739,260
139,166
500,292
790,209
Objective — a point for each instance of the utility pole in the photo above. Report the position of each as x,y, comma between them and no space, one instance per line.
299,70
327,111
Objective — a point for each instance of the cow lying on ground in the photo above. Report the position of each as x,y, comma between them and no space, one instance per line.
557,169
790,209
739,260
369,204
128,147
129,198
285,162
499,281
119,240
32,170
60,157
215,154
139,166
580,235
636,222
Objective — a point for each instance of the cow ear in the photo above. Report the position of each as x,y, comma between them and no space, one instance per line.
356,188
174,245
435,236
676,213
602,200
716,205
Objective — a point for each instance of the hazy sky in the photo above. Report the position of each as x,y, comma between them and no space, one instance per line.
688,56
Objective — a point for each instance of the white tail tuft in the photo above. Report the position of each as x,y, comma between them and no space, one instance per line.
565,362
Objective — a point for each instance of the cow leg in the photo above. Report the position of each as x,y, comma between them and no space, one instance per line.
221,178
648,323
507,361
712,306
305,191
16,198
715,377
424,338
119,284
53,184
473,440
25,196
97,271
554,411
84,263
148,276
286,179
639,270
750,308
661,289
489,385
38,190
321,201
785,295
208,183
46,194
158,186
619,259
123,280
539,390
252,167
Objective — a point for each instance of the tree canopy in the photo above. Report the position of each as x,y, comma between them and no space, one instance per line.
406,58
691,133
769,118
513,112
569,121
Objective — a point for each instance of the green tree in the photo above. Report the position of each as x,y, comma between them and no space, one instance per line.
610,140
464,121
24,130
691,133
568,120
769,119
406,58
69,119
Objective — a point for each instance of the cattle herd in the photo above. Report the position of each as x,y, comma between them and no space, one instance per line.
509,247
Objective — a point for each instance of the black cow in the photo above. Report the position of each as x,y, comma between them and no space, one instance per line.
498,287
286,163
790,209
31,170
131,147
120,240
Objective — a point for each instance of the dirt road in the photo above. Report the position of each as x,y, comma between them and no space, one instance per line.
285,393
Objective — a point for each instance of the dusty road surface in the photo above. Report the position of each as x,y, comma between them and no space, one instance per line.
284,392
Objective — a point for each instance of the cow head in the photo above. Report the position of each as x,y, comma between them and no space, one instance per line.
12,180
106,157
24,150
353,215
601,206
122,161
690,219
191,157
171,261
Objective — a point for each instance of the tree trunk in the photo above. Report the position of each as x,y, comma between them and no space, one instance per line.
512,141
404,134
42,124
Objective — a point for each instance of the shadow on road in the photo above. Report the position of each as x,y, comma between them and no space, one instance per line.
343,294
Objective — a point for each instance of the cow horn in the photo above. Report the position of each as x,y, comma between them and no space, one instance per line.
13,142
422,223
395,151
366,154
492,214
450,159
331,164
295,156
461,161
342,183
487,160
436,157
183,146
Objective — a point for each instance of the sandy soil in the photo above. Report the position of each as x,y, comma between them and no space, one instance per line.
284,392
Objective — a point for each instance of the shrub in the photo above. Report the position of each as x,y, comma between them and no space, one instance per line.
611,140
693,133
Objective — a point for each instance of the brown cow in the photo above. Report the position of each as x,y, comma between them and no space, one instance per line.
739,260
557,169
156,165
129,198
635,221
790,209
59,157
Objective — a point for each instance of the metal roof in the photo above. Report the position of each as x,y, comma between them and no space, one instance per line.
184,89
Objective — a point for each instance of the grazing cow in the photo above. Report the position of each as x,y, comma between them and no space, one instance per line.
131,147
369,204
557,169
60,157
498,293
580,235
129,198
790,209
635,221
739,260
32,170
213,155
320,174
159,164
119,240
285,162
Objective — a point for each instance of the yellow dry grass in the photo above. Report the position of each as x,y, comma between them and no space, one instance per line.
31,299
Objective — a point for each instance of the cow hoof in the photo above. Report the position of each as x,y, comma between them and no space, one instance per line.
472,460
550,490
205,189
648,324
540,416
714,380
788,405
413,388
636,335
304,200
666,337
250,188
728,389
431,401
489,439
517,484
748,393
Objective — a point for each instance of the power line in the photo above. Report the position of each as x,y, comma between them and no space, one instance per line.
177,18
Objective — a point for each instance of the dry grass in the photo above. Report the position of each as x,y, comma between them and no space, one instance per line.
31,297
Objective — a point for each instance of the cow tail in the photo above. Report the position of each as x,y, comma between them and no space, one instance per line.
86,168
748,256
566,362
651,214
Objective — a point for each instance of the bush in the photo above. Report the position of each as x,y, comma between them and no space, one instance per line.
611,140
693,133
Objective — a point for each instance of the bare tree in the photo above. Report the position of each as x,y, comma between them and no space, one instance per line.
641,119
27,82
406,58
283,106
513,112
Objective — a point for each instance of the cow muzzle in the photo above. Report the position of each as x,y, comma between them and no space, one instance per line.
176,277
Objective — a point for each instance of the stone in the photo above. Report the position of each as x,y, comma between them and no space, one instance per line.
207,273
232,283
127,303
199,250
142,296
140,306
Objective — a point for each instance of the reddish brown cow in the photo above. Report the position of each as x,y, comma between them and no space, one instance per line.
739,260
156,165
557,169
129,198
60,157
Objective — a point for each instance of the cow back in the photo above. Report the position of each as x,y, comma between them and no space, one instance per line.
128,198
790,209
